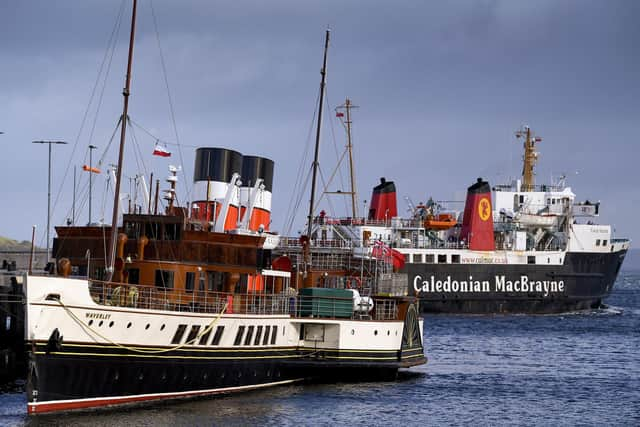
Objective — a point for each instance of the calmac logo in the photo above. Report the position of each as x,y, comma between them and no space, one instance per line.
484,209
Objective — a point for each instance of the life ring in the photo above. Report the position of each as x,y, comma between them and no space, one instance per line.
115,296
132,297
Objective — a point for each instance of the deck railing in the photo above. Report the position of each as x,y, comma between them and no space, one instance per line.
154,298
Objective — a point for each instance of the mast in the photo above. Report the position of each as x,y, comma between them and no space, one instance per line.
123,131
530,158
323,72
354,208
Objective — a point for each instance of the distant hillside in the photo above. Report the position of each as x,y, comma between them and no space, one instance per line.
7,244
632,260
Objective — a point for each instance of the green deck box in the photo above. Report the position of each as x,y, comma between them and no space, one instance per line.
325,302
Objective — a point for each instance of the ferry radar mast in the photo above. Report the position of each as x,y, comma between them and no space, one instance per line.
530,157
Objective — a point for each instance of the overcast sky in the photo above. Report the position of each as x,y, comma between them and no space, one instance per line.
441,86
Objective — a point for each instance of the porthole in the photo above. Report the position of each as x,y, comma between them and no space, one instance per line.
128,325
239,374
147,327
396,333
353,332
162,327
388,333
204,376
111,324
268,373
90,322
101,322
255,373
116,376
375,332
140,376
222,374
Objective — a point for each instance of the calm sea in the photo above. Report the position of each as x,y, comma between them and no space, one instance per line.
574,369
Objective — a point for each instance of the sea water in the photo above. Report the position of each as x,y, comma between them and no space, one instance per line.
570,369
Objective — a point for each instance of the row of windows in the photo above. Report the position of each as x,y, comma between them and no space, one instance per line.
604,242
249,338
263,335
213,280
193,334
430,259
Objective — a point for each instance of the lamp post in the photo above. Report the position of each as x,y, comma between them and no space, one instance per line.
49,189
91,148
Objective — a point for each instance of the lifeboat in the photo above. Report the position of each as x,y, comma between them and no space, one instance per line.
440,222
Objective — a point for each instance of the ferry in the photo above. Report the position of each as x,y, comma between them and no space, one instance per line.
516,248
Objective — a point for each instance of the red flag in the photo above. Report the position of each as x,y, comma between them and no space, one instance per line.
161,151
339,114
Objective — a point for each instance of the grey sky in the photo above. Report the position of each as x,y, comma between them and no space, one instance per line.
441,87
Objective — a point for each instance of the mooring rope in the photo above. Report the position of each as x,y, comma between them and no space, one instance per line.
88,328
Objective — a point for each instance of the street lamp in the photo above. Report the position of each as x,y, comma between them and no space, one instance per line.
91,148
48,189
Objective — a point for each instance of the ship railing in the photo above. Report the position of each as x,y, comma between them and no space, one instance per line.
154,298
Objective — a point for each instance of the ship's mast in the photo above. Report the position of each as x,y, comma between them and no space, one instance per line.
123,130
354,209
530,158
323,72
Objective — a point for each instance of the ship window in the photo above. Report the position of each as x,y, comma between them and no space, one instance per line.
258,335
597,242
265,340
179,334
218,335
171,232
455,259
151,231
442,258
132,229
274,333
201,281
604,243
429,258
548,201
134,276
521,199
416,258
205,337
553,201
189,281
215,281
531,259
193,333
247,339
239,335
164,279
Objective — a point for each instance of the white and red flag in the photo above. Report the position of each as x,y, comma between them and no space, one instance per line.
161,151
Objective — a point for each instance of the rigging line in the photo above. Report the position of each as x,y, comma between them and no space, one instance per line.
138,152
148,132
105,151
298,202
104,83
335,148
114,31
331,208
173,116
291,212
